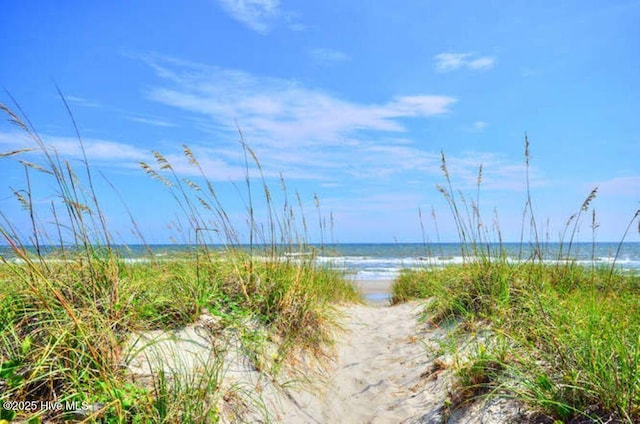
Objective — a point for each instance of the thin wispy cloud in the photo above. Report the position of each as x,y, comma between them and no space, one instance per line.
449,62
221,165
150,121
620,186
77,101
311,134
81,101
340,111
98,150
303,131
280,111
291,126
258,15
328,57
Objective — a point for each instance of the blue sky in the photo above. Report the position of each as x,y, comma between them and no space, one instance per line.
349,101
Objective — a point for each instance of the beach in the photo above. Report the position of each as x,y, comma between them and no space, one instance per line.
375,292
385,367
377,375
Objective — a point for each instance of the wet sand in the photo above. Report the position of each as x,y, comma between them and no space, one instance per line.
375,292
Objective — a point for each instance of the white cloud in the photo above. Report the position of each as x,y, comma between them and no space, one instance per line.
326,57
220,165
311,134
81,101
620,186
304,131
97,149
258,15
69,147
448,62
280,112
481,63
150,121
143,119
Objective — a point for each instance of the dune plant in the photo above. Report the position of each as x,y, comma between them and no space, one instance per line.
565,336
69,301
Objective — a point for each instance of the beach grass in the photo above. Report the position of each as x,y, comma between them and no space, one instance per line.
558,336
564,337
70,303
565,341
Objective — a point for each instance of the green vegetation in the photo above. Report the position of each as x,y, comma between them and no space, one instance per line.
564,338
560,337
66,317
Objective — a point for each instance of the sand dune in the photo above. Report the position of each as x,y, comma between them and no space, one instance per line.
386,369
380,374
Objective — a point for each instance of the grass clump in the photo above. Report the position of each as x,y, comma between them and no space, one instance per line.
571,333
70,304
564,337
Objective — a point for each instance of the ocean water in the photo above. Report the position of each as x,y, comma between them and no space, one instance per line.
383,261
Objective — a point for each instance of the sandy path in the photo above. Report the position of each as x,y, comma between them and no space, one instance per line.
386,370
380,375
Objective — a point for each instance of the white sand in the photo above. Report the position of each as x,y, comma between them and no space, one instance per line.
386,370
377,374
